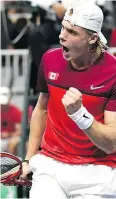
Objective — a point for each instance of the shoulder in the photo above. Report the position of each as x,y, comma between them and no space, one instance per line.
110,59
53,54
14,108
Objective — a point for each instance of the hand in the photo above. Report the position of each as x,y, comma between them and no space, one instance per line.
72,100
25,171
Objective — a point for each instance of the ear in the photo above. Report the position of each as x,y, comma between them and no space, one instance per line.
93,38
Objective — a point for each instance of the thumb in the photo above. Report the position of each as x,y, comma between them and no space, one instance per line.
25,170
23,176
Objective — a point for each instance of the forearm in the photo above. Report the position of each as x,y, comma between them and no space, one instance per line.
103,136
37,127
18,130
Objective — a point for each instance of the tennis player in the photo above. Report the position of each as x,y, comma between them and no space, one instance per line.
74,120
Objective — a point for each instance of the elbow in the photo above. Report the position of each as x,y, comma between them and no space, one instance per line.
110,150
110,146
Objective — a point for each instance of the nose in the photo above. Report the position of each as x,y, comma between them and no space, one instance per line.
63,36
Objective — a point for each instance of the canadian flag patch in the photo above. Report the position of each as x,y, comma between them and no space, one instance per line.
53,76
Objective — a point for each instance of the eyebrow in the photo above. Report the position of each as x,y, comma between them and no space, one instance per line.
70,29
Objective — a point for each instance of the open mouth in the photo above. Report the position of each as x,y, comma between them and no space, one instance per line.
65,49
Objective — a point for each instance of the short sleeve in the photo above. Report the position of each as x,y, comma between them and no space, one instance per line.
111,103
41,81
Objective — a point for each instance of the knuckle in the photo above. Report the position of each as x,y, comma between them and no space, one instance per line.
71,88
65,95
79,96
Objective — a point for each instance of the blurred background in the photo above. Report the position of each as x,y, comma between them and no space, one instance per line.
28,29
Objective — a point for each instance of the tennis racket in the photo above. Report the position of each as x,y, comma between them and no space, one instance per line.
11,169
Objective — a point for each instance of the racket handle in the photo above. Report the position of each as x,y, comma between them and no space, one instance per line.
13,182
23,182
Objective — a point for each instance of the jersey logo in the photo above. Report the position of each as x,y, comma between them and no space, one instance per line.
95,87
86,116
53,76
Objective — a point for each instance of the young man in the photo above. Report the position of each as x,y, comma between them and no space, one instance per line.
75,116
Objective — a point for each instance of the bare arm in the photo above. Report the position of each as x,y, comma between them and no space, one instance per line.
17,130
37,125
104,135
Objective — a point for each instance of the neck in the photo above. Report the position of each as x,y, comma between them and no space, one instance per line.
87,60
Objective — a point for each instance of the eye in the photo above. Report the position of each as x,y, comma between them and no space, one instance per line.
62,27
72,32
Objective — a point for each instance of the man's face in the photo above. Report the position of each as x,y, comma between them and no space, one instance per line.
74,41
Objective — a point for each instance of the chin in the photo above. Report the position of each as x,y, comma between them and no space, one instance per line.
67,58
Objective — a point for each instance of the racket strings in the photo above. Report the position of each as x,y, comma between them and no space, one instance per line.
7,164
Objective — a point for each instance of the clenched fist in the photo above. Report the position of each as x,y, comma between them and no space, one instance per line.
72,100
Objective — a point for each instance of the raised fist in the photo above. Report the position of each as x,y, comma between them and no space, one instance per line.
72,100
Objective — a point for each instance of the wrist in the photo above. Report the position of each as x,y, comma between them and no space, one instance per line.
82,118
25,160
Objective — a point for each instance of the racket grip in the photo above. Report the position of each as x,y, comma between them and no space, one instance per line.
23,182
13,182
